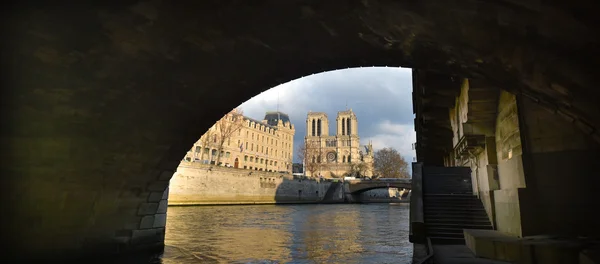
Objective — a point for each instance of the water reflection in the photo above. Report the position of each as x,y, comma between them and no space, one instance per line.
374,233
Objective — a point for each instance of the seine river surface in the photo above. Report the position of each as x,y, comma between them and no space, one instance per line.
345,233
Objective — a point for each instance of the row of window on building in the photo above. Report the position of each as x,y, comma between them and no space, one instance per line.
263,150
272,140
227,155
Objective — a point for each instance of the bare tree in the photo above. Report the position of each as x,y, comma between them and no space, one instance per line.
229,124
310,154
205,140
388,163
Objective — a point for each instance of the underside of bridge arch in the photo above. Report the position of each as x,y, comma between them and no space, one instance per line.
101,102
359,190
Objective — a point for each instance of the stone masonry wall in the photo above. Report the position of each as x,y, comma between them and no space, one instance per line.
201,184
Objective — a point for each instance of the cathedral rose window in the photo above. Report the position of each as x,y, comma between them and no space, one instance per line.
331,156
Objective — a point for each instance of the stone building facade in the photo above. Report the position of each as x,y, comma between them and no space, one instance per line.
265,145
337,153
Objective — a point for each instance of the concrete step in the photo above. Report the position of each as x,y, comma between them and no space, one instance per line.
442,208
445,230
448,235
451,210
495,245
458,217
447,240
457,221
456,202
450,207
456,206
459,225
453,203
452,200
464,201
455,197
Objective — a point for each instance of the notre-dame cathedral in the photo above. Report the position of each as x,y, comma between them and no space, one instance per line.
336,154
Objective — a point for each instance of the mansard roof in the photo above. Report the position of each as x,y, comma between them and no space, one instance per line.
273,117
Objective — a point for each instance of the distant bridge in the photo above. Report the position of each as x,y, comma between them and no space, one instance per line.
360,186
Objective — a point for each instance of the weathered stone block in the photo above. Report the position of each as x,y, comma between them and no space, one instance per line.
165,195
162,207
147,208
132,224
165,175
144,236
161,233
169,165
147,222
124,233
160,220
122,239
158,186
155,196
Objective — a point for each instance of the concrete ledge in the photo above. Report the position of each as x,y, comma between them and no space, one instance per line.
489,244
495,245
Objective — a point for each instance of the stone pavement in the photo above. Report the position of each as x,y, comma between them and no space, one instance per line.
458,254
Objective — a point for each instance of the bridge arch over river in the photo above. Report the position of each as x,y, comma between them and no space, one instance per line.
101,102
356,187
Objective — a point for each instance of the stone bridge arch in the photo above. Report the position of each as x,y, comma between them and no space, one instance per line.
100,103
360,188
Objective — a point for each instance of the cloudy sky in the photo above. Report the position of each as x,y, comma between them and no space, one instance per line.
381,98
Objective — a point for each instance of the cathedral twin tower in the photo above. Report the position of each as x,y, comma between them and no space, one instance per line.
336,153
318,124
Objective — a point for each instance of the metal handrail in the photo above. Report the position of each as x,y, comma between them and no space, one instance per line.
429,254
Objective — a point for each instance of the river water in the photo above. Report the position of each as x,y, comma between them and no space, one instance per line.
344,233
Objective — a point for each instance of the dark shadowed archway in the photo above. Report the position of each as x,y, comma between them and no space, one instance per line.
101,102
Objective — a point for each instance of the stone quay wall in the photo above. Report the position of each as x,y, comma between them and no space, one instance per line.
203,184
